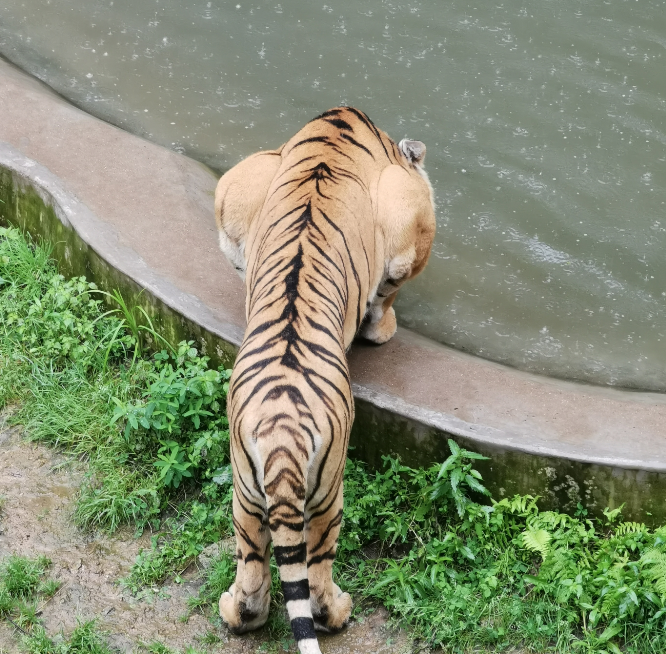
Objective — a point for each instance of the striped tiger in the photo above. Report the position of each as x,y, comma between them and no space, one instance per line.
324,231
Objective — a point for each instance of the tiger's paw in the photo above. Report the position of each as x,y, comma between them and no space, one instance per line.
381,331
333,616
239,615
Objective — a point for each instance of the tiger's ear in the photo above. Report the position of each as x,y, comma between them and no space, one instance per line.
415,151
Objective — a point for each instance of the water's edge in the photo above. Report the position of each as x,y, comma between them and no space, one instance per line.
35,200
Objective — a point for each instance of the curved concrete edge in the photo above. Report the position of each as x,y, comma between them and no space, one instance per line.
384,423
138,218
560,483
103,244
482,435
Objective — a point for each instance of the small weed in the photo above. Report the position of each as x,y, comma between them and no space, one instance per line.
20,577
49,588
85,639
131,320
210,638
21,580
219,577
6,602
183,537
278,626
159,648
172,464
38,642
280,645
27,615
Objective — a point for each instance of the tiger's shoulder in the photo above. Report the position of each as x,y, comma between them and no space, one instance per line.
342,137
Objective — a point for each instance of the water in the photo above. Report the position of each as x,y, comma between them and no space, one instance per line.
545,124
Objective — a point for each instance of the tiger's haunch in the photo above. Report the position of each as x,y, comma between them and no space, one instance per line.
324,231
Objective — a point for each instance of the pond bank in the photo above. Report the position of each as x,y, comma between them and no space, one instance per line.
133,216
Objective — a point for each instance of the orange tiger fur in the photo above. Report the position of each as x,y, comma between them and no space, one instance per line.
324,230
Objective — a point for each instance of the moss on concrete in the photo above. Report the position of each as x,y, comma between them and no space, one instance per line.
560,483
23,207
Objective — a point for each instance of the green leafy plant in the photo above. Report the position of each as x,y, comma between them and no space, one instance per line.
184,399
44,315
172,464
456,476
465,574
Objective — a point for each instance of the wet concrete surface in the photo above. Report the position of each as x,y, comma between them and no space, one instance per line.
39,488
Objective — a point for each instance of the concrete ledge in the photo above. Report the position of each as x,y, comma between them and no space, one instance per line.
134,216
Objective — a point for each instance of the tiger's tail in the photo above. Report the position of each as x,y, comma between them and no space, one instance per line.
286,518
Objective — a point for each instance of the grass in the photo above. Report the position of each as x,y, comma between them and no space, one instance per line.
85,639
459,570
468,575
23,588
159,648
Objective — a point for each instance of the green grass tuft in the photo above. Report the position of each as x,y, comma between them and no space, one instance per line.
20,577
85,639
219,577
22,588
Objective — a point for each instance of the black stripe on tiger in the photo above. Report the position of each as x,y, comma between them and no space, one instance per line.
353,141
320,558
313,139
351,261
290,554
371,126
340,124
253,556
327,142
296,590
303,628
326,114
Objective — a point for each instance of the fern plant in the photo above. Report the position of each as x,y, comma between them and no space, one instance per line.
537,540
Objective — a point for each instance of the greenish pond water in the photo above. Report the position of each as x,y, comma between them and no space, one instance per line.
545,124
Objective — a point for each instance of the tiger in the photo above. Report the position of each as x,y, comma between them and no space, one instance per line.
324,231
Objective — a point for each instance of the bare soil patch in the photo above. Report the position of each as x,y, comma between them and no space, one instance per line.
39,488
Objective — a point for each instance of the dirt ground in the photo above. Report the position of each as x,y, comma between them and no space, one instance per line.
39,487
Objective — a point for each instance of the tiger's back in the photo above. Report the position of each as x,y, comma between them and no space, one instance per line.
325,249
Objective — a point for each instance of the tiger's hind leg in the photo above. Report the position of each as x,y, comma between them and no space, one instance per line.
331,607
246,604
